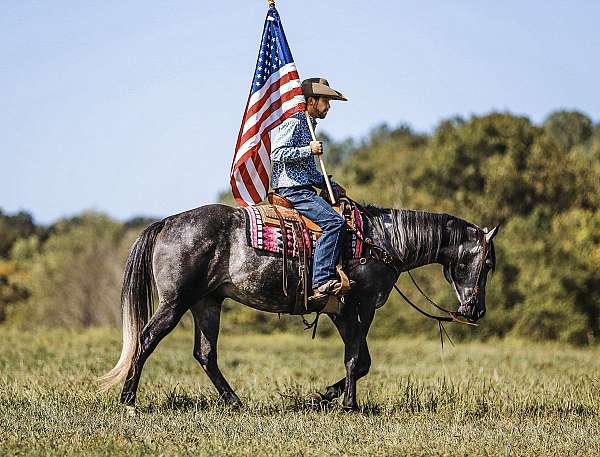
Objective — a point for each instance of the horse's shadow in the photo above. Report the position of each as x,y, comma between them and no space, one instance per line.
290,402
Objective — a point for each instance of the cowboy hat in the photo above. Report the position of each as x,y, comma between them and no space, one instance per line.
319,87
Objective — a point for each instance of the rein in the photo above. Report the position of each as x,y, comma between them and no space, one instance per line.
385,258
380,254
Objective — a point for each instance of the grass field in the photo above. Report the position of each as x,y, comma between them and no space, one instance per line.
494,398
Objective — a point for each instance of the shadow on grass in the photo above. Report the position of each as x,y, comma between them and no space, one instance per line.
411,398
177,400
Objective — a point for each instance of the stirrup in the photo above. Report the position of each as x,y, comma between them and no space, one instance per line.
345,283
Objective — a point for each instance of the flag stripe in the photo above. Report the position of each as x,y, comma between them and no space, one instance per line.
251,137
285,92
288,113
275,94
285,82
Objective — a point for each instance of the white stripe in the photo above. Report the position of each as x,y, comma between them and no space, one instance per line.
256,96
265,158
255,178
276,95
241,187
252,141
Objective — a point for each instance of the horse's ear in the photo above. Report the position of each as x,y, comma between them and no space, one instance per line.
489,236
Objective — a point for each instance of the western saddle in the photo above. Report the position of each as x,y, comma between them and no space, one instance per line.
280,212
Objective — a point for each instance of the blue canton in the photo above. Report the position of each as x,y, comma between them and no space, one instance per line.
293,162
274,51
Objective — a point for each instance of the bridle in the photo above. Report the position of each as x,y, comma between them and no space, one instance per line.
381,255
480,266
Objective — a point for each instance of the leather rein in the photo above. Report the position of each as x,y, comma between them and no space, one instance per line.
381,255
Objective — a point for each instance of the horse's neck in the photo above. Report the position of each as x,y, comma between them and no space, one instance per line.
416,238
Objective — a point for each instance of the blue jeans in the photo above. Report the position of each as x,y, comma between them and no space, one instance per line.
308,203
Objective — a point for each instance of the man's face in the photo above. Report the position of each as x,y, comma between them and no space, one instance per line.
318,107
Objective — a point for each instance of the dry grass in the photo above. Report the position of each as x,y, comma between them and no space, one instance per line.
495,398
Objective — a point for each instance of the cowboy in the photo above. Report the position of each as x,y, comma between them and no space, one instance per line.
295,175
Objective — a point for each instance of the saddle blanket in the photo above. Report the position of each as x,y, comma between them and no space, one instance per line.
270,239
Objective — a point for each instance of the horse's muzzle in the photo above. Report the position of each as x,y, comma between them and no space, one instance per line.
472,315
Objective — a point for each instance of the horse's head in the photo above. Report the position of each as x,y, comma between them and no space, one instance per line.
467,269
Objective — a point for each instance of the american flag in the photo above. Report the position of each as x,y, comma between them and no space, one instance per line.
275,94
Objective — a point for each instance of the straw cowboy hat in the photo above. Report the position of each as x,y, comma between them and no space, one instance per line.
319,87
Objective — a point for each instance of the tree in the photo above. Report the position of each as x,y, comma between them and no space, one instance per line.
75,278
568,128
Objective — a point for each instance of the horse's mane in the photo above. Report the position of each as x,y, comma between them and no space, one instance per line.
415,237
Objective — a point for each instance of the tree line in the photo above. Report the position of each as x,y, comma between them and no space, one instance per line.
541,182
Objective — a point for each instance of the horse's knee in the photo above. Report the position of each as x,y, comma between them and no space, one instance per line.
201,357
363,370
364,364
206,358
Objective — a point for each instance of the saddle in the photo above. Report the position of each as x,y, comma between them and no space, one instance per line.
287,212
280,212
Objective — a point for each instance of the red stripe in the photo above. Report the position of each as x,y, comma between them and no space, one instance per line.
248,183
236,193
273,107
245,116
260,168
279,120
275,86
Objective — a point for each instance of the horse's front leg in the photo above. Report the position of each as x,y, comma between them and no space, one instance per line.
364,364
353,326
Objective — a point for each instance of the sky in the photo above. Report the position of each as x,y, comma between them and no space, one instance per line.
133,107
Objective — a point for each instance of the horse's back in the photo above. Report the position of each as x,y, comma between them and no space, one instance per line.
192,246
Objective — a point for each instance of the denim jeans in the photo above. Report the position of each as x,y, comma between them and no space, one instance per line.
308,203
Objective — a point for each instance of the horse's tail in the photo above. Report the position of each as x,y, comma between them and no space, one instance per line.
136,302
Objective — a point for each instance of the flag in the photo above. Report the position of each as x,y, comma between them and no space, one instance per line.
275,94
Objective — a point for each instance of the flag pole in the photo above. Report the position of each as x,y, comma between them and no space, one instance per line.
325,175
271,4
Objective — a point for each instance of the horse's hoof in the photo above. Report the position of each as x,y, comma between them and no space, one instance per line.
351,408
316,398
236,405
131,411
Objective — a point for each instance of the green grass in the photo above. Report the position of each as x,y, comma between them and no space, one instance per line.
494,398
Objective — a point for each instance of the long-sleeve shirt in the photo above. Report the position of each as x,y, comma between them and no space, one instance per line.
293,162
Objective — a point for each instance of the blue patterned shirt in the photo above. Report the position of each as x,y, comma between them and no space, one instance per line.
293,162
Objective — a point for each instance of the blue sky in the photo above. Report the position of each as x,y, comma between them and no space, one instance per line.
132,107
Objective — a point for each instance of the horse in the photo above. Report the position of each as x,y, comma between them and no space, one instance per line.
196,259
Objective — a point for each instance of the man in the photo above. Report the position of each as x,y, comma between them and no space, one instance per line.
294,175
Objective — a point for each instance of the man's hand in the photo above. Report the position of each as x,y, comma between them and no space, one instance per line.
316,147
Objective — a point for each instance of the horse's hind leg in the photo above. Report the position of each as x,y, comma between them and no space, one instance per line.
207,317
165,319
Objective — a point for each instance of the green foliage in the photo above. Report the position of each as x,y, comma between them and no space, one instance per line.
74,278
542,182
14,227
569,128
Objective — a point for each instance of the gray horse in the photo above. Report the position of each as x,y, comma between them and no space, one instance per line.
196,259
